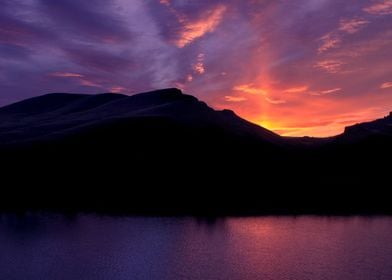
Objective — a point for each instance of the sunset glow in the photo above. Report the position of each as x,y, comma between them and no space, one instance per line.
295,67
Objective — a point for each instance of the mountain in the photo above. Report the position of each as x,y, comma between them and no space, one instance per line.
377,128
60,115
167,152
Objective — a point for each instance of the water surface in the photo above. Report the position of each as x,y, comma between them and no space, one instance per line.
93,247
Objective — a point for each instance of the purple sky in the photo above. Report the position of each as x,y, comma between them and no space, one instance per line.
299,67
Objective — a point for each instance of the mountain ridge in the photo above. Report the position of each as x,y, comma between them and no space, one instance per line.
80,109
167,152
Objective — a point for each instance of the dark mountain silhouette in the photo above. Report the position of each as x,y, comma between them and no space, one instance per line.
378,128
165,152
59,115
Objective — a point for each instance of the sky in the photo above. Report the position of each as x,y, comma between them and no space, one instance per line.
297,67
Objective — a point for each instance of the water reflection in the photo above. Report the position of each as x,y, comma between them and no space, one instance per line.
92,247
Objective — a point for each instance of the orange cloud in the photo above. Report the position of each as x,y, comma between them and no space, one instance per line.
386,85
352,26
81,78
381,8
230,98
296,89
274,101
250,88
197,29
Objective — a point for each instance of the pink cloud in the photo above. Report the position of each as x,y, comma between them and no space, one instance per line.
381,8
325,92
81,78
199,66
329,41
331,66
352,26
386,85
66,75
165,2
89,83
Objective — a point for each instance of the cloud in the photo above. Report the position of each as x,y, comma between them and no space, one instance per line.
329,41
118,89
296,89
352,26
329,66
66,75
165,2
250,88
274,101
193,30
199,66
386,85
19,32
82,80
230,98
325,92
334,38
380,8
89,83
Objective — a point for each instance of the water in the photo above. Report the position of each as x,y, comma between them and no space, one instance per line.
92,247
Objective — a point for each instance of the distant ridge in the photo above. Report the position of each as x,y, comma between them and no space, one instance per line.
58,112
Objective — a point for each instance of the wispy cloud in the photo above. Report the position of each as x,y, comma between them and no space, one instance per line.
250,88
334,38
66,75
329,41
82,80
165,2
296,89
330,66
380,8
386,85
230,98
352,26
198,67
274,101
118,89
89,83
198,28
325,92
